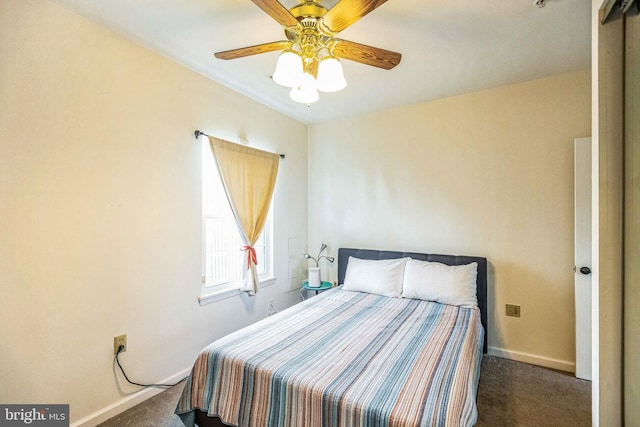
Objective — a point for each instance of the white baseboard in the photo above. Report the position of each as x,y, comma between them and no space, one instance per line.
534,359
128,402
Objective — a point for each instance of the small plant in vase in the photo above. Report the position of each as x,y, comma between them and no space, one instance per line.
314,272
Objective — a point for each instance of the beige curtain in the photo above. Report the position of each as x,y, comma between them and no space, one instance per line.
248,176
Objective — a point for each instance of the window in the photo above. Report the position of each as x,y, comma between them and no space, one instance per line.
222,256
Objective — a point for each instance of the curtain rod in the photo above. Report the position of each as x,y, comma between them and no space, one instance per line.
197,134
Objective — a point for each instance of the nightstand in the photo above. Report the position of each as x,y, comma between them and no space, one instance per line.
323,286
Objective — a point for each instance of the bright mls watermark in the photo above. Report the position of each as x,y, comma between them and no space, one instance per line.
34,415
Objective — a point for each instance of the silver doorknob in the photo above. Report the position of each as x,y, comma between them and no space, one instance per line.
585,270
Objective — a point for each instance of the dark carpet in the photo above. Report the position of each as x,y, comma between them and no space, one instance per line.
509,394
518,394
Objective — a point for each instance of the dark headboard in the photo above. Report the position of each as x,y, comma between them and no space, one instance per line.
481,282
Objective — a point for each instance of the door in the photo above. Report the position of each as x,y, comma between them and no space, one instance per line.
582,243
632,223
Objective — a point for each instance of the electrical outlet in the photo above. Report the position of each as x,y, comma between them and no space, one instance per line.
513,310
118,341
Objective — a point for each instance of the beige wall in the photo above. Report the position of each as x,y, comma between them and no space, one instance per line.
100,209
487,173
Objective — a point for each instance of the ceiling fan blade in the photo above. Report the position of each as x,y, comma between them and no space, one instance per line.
253,50
277,11
346,12
368,55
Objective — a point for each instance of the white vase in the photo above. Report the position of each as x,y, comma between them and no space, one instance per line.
314,277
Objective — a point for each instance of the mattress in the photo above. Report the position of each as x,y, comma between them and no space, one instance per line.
343,359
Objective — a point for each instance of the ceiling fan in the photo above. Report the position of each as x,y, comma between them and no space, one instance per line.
310,56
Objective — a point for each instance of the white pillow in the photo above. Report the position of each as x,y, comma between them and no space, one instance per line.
381,277
447,284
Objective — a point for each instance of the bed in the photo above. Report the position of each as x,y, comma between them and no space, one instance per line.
348,357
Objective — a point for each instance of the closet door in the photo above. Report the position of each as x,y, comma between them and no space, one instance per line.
608,221
632,223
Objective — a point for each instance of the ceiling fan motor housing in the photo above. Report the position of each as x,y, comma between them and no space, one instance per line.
309,8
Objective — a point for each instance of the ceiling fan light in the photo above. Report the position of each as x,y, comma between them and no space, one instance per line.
288,69
305,90
330,75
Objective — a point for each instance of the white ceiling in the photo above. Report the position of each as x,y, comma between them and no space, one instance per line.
448,47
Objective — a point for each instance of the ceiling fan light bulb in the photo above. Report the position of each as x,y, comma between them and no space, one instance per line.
330,75
305,90
288,69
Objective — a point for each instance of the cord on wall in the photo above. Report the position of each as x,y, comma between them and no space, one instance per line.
272,309
120,349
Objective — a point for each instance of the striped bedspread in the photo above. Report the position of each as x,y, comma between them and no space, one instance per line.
344,359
